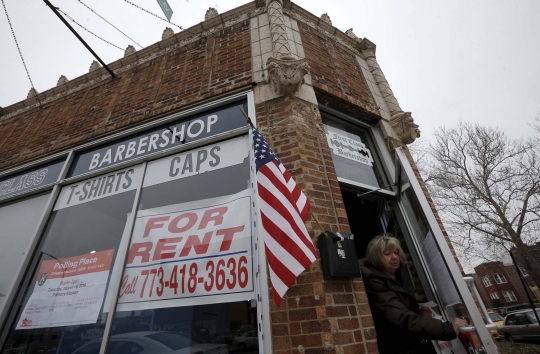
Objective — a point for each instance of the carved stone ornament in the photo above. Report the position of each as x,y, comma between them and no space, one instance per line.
62,80
351,34
32,93
210,13
129,50
326,18
286,75
406,129
94,66
168,32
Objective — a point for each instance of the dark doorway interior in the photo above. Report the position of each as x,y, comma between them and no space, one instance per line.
368,216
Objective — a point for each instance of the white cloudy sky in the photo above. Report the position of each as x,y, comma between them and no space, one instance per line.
445,60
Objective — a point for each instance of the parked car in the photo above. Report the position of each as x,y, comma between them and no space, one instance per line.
520,325
152,342
497,320
247,340
506,310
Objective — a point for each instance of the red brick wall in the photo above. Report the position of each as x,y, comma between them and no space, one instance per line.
316,316
200,70
334,69
513,283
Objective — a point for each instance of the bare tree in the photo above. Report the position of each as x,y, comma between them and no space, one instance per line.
487,187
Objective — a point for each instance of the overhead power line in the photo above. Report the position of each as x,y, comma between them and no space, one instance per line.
20,53
88,7
143,9
87,30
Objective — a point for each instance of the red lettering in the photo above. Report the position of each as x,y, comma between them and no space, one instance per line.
166,244
228,236
154,223
215,215
195,242
191,220
142,250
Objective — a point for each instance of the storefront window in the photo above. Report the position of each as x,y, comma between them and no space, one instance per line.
188,280
353,154
62,306
18,222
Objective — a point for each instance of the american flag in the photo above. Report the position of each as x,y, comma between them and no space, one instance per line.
284,211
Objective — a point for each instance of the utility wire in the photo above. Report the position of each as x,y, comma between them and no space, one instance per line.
20,53
88,7
87,30
161,18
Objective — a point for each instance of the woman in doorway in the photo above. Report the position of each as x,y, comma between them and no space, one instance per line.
402,326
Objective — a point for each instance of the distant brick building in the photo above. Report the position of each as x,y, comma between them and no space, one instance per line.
95,158
499,284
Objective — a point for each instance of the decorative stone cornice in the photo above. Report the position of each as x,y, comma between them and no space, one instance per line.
168,32
94,66
367,48
129,50
62,80
32,93
286,75
351,34
210,13
326,18
404,126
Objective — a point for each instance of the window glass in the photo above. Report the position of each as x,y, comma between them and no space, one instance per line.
499,278
62,305
353,154
486,281
188,278
510,320
509,296
532,318
494,295
18,222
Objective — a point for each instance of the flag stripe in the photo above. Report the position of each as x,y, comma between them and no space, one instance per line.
283,247
282,212
281,271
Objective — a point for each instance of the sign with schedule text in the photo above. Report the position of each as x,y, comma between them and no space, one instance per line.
199,252
68,291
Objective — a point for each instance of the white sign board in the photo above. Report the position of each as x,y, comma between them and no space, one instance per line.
68,291
349,148
200,252
441,276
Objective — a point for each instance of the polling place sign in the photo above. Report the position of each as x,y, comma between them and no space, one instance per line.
200,252
68,291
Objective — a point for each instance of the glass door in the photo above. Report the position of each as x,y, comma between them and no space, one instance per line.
450,291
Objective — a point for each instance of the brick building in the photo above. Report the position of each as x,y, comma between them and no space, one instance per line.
95,158
500,285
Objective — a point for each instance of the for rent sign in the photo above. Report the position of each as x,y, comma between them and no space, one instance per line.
198,249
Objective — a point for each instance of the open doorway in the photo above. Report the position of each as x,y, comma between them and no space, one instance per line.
370,215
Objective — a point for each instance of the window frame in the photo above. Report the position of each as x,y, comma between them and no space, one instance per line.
509,294
14,299
494,296
485,279
501,277
523,271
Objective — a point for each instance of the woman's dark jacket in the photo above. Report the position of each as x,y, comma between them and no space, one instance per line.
400,326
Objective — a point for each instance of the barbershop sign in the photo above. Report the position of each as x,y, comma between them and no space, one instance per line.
349,148
188,130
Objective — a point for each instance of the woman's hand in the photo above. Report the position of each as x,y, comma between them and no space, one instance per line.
458,322
426,312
